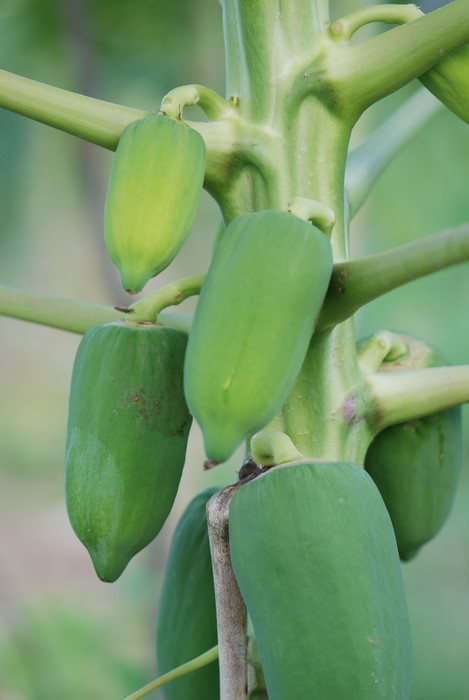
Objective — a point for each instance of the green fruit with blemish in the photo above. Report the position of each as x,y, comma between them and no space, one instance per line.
153,194
127,433
187,621
255,317
315,558
416,465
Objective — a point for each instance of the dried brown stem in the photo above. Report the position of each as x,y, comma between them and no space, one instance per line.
231,612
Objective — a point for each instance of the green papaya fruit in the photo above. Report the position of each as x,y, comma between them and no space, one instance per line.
127,433
253,323
154,189
187,621
315,558
448,80
416,465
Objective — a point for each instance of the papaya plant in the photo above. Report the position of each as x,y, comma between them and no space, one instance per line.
291,576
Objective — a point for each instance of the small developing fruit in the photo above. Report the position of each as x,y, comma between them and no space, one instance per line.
152,198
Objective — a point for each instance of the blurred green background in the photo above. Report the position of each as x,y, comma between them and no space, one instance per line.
63,633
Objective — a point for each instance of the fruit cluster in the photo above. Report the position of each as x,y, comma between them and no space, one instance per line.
315,544
126,445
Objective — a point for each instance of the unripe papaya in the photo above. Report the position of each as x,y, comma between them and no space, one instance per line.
154,189
187,621
127,432
254,320
448,80
315,558
416,465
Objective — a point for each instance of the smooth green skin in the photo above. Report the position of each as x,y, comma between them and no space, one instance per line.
127,433
254,320
187,622
153,194
448,80
416,466
314,555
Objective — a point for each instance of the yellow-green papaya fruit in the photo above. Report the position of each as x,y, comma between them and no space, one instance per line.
187,621
154,189
127,432
254,320
416,465
448,80
315,558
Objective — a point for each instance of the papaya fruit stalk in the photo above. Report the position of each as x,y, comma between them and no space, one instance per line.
231,613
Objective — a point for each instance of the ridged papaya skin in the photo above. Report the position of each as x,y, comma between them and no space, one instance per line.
254,320
153,194
127,433
187,622
448,80
315,558
416,465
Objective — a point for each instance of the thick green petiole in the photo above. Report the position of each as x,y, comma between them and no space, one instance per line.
390,60
97,121
355,283
78,316
397,397
65,314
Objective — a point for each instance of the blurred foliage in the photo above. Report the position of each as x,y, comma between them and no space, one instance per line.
62,632
423,192
46,650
